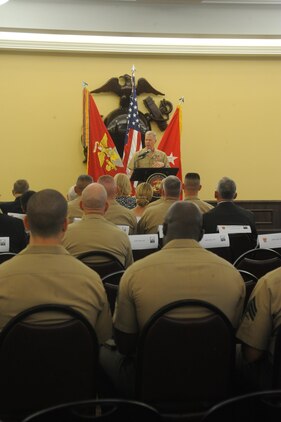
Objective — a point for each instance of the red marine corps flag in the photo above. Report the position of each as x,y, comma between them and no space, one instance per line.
103,157
170,142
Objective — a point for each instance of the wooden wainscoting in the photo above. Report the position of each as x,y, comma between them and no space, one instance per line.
267,214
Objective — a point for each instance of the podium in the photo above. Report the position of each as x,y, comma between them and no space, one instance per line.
154,177
145,173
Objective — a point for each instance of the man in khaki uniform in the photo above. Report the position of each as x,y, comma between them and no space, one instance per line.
74,209
94,232
154,216
191,188
149,156
46,273
181,270
258,328
116,213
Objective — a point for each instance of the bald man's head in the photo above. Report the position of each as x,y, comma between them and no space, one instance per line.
183,221
94,199
109,184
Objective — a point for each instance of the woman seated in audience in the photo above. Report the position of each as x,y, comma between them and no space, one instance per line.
144,194
124,191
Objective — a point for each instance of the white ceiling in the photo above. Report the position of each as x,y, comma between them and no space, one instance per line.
152,17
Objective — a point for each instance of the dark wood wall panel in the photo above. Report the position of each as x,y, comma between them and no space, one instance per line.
267,214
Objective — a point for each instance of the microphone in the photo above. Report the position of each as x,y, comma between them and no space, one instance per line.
143,154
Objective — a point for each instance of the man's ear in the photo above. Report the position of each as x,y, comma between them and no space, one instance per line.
235,195
81,205
26,223
216,195
106,207
65,225
200,187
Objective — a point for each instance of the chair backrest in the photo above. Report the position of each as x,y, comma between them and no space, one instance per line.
5,256
111,282
258,261
241,243
44,364
251,407
110,410
102,262
185,361
250,282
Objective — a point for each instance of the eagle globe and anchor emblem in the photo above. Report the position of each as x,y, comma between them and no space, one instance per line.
116,120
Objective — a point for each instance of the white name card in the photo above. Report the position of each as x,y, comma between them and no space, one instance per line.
215,240
4,244
76,219
16,215
160,231
144,241
269,241
234,229
124,229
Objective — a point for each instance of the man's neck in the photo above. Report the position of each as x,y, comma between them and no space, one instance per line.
191,193
94,212
44,241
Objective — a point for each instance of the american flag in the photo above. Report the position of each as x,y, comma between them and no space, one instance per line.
133,136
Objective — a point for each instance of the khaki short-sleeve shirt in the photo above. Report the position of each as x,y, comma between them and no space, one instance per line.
154,216
262,316
49,274
181,270
149,160
94,232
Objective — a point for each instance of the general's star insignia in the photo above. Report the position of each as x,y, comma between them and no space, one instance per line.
171,158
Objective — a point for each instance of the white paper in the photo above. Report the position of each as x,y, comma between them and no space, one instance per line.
215,240
76,219
269,241
144,241
16,215
124,229
234,229
4,244
160,231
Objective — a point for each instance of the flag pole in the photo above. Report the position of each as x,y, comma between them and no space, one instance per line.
133,70
181,100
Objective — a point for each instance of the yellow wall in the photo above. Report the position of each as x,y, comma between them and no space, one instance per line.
231,116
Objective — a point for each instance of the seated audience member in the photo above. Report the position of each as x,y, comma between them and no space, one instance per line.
20,187
74,209
144,194
257,331
13,228
25,197
46,273
191,188
71,194
94,232
115,213
184,271
154,216
124,190
227,212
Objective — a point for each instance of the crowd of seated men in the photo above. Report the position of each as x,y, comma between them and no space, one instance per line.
182,269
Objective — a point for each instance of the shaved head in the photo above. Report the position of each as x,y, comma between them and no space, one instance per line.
110,185
94,198
183,221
